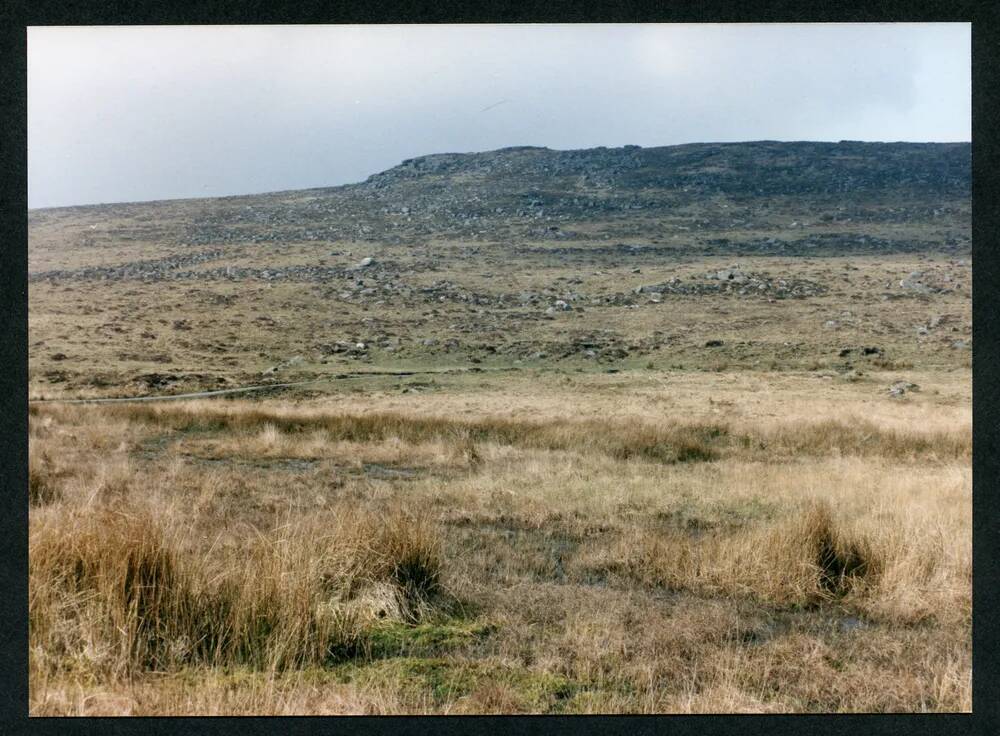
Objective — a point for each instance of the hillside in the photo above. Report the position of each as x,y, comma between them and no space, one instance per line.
694,190
521,254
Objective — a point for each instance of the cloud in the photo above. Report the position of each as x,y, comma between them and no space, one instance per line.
131,113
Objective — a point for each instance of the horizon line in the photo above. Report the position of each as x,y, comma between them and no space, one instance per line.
183,198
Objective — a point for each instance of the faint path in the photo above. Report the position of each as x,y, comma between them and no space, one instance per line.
262,387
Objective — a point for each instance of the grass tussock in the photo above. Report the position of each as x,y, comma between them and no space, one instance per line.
803,560
862,438
119,590
401,551
104,585
44,478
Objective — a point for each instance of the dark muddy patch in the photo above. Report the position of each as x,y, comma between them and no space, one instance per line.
287,464
378,471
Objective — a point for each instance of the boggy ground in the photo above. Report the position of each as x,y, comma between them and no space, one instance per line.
530,541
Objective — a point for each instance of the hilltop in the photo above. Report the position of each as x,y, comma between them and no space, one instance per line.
569,195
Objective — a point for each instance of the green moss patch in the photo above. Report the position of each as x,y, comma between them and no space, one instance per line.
437,681
425,639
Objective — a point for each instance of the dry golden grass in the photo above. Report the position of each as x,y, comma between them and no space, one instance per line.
275,558
305,432
115,592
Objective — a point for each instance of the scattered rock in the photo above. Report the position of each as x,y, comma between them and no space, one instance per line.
901,388
730,274
157,380
914,282
741,284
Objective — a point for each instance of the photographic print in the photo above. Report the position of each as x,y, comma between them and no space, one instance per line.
499,369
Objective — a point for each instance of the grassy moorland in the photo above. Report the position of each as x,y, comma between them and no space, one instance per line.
487,549
625,430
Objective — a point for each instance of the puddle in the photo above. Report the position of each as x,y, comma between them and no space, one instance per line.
387,472
851,623
756,636
290,464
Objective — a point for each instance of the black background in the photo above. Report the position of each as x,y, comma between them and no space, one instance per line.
14,19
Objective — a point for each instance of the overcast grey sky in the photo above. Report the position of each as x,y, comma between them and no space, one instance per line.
137,113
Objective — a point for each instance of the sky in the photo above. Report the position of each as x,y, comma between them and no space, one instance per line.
136,113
